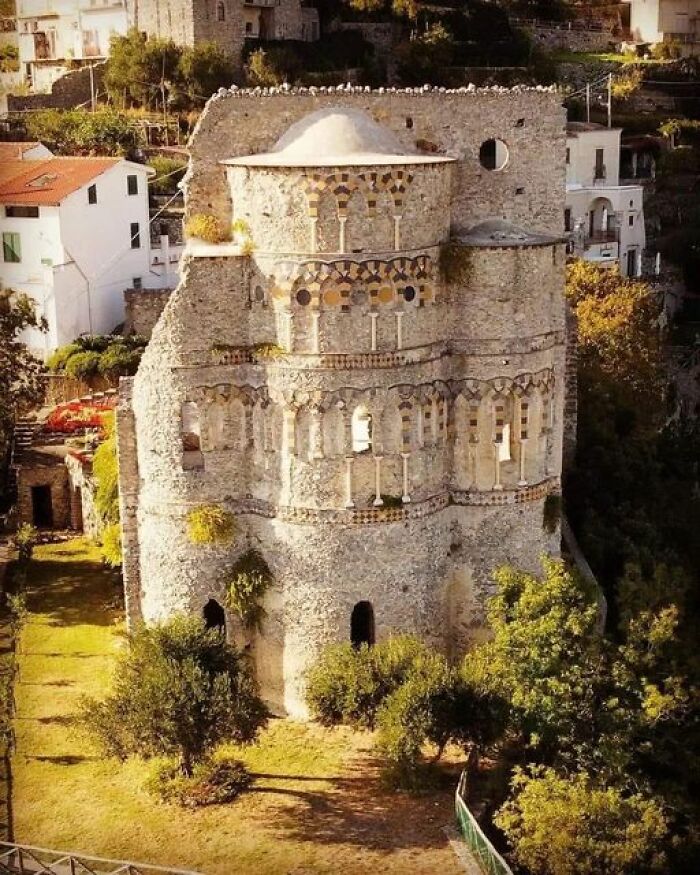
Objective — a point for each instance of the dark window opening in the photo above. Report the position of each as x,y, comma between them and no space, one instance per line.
220,12
362,625
42,507
92,194
22,212
409,121
520,123
214,616
567,219
132,184
135,235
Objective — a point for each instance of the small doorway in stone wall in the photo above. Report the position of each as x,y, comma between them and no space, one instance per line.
362,625
214,616
42,506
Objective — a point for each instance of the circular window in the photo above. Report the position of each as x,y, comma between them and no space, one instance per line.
409,293
303,297
493,154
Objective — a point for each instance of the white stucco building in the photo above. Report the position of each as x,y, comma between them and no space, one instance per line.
604,220
54,34
75,235
658,21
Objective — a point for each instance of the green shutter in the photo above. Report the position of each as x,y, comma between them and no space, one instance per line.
11,249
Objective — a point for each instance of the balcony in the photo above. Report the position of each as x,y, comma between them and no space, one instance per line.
602,236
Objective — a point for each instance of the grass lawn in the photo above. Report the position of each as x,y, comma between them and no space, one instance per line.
599,57
317,805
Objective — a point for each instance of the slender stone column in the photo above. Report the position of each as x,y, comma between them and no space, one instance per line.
316,439
397,232
523,445
289,440
348,482
497,466
341,243
373,317
399,330
314,242
316,333
378,501
406,498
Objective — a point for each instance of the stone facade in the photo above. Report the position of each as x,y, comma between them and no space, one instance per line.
143,308
226,22
373,383
72,89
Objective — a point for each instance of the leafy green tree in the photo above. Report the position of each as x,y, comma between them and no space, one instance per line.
179,690
568,825
204,68
20,372
81,132
424,58
140,70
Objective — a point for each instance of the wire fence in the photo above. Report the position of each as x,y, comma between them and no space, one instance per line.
490,862
27,860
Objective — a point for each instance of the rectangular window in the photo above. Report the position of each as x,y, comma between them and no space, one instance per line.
631,221
567,219
92,194
22,212
137,283
568,156
11,249
132,184
599,165
135,235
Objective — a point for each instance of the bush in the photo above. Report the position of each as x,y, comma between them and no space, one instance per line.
118,360
24,541
111,545
179,690
210,524
248,581
424,58
106,474
59,357
82,365
213,782
272,66
569,826
348,684
80,132
208,228
169,172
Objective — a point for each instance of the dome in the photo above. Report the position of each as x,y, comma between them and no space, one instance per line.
499,232
337,137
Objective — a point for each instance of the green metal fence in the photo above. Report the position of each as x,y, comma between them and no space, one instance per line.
489,860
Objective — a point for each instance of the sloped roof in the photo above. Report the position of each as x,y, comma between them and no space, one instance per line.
337,137
11,150
49,181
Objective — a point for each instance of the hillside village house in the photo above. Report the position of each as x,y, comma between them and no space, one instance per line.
658,21
56,34
228,23
75,235
604,220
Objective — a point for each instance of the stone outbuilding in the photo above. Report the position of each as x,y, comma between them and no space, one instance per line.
370,380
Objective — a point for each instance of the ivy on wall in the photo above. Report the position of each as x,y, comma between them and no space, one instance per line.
247,582
210,524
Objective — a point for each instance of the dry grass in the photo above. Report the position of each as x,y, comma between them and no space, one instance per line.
317,805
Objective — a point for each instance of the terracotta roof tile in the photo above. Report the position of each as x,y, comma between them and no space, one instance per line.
49,181
12,150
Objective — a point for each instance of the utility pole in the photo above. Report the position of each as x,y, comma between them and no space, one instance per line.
92,88
588,102
609,100
162,95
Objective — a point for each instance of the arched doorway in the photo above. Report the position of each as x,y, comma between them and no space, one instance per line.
214,616
362,624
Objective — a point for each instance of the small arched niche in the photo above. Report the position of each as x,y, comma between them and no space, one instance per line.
361,430
214,616
362,625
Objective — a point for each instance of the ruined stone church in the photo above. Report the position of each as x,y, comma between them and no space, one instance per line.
370,378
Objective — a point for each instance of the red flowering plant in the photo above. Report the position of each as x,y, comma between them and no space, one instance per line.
79,416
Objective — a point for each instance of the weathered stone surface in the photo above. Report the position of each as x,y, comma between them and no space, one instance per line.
356,299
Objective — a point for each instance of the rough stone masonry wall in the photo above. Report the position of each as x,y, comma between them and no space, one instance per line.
455,122
497,326
143,308
68,91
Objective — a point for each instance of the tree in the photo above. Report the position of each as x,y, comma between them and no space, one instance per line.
81,132
179,690
105,470
20,372
570,826
204,68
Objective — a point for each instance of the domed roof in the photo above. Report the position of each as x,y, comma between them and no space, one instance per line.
337,137
499,232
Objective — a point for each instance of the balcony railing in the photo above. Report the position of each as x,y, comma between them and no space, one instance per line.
602,236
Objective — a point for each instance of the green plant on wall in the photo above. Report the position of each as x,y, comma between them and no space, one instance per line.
210,524
247,582
203,226
455,263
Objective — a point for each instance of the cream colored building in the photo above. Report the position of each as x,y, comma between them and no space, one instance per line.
604,220
658,21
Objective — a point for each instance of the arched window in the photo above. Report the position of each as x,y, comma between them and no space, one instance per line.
362,625
220,12
214,616
361,427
